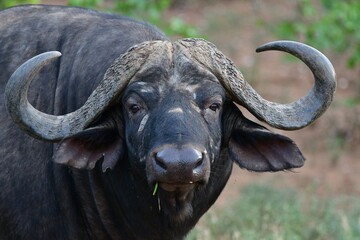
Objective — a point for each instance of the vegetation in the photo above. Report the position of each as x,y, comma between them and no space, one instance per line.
147,10
263,212
10,3
326,24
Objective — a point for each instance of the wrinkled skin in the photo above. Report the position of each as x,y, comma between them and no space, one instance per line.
171,110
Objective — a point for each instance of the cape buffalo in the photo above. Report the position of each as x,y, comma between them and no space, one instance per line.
129,135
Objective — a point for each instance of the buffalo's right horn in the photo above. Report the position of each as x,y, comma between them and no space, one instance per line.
53,128
290,116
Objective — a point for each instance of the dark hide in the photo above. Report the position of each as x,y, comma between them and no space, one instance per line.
112,198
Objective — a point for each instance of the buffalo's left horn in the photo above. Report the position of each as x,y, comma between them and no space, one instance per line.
290,116
53,128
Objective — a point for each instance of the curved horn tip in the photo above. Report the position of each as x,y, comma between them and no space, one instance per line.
299,50
278,45
51,54
16,90
38,61
324,87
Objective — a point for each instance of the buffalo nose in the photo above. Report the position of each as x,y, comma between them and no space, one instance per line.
185,164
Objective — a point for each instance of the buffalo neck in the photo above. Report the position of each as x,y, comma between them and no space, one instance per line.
115,204
118,202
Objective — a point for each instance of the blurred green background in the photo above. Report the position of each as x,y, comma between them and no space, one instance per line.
320,200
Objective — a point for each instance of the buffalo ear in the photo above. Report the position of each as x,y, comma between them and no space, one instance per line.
84,149
255,148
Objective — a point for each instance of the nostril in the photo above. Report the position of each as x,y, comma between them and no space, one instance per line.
160,162
199,161
185,162
178,165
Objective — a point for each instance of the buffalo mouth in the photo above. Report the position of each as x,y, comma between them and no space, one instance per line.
177,172
173,187
175,199
176,196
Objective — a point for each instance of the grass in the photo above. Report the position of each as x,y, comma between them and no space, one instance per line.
263,212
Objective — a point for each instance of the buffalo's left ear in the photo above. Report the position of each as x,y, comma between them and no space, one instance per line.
255,148
84,149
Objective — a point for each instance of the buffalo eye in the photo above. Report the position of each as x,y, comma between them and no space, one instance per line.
134,105
215,107
134,108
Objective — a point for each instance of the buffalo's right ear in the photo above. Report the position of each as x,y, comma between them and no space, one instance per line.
255,148
84,149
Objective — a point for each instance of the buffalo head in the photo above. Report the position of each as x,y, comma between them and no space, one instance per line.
169,109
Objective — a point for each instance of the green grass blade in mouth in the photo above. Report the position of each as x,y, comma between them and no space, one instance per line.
155,189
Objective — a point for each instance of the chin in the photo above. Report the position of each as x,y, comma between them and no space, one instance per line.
175,201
